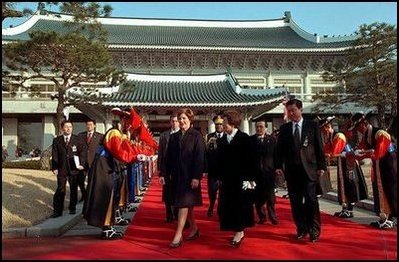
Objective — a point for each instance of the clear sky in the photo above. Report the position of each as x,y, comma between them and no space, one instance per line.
323,18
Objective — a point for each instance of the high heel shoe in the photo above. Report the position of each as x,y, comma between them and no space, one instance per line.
193,237
235,243
175,245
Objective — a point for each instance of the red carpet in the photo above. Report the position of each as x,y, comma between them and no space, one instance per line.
149,235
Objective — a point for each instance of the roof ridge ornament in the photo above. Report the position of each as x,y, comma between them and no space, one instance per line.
287,16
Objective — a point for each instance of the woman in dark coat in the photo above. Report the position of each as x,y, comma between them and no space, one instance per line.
185,164
236,164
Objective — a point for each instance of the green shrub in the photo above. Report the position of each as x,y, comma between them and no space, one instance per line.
27,164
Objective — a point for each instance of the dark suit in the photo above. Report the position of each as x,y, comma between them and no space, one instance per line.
264,149
92,145
167,187
212,141
62,160
301,164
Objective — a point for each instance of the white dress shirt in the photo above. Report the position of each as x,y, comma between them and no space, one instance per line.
69,138
300,124
231,136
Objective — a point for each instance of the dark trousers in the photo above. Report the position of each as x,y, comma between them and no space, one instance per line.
171,212
266,195
131,182
59,196
212,191
167,197
304,202
81,184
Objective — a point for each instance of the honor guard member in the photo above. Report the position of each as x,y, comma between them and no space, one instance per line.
376,144
351,183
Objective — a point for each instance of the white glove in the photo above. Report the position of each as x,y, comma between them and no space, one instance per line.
154,157
248,185
343,154
141,157
358,152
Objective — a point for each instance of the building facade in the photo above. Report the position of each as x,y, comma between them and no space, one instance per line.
259,55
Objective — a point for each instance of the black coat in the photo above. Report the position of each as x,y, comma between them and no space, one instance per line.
95,141
162,150
211,154
264,152
311,151
63,156
100,189
236,164
185,161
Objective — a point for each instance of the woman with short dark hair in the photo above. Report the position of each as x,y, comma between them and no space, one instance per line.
236,174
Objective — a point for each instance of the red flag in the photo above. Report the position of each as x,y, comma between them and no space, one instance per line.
135,119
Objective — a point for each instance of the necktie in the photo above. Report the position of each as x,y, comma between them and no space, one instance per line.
66,141
297,138
88,138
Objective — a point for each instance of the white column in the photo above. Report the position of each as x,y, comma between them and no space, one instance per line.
10,136
253,128
244,127
306,87
108,121
108,124
211,125
48,131
269,81
100,127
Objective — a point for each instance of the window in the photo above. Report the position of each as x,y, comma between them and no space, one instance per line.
30,133
43,90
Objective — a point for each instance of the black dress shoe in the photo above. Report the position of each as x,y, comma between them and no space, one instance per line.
301,235
55,215
72,212
193,237
314,238
261,221
274,221
175,245
235,243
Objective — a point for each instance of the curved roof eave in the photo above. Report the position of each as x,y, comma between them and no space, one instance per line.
250,49
149,104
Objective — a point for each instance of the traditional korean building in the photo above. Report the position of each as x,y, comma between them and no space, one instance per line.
208,65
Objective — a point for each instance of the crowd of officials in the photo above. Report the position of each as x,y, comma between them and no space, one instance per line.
242,171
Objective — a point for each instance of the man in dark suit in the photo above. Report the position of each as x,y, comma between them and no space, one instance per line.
300,151
68,159
212,141
171,213
263,146
92,139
